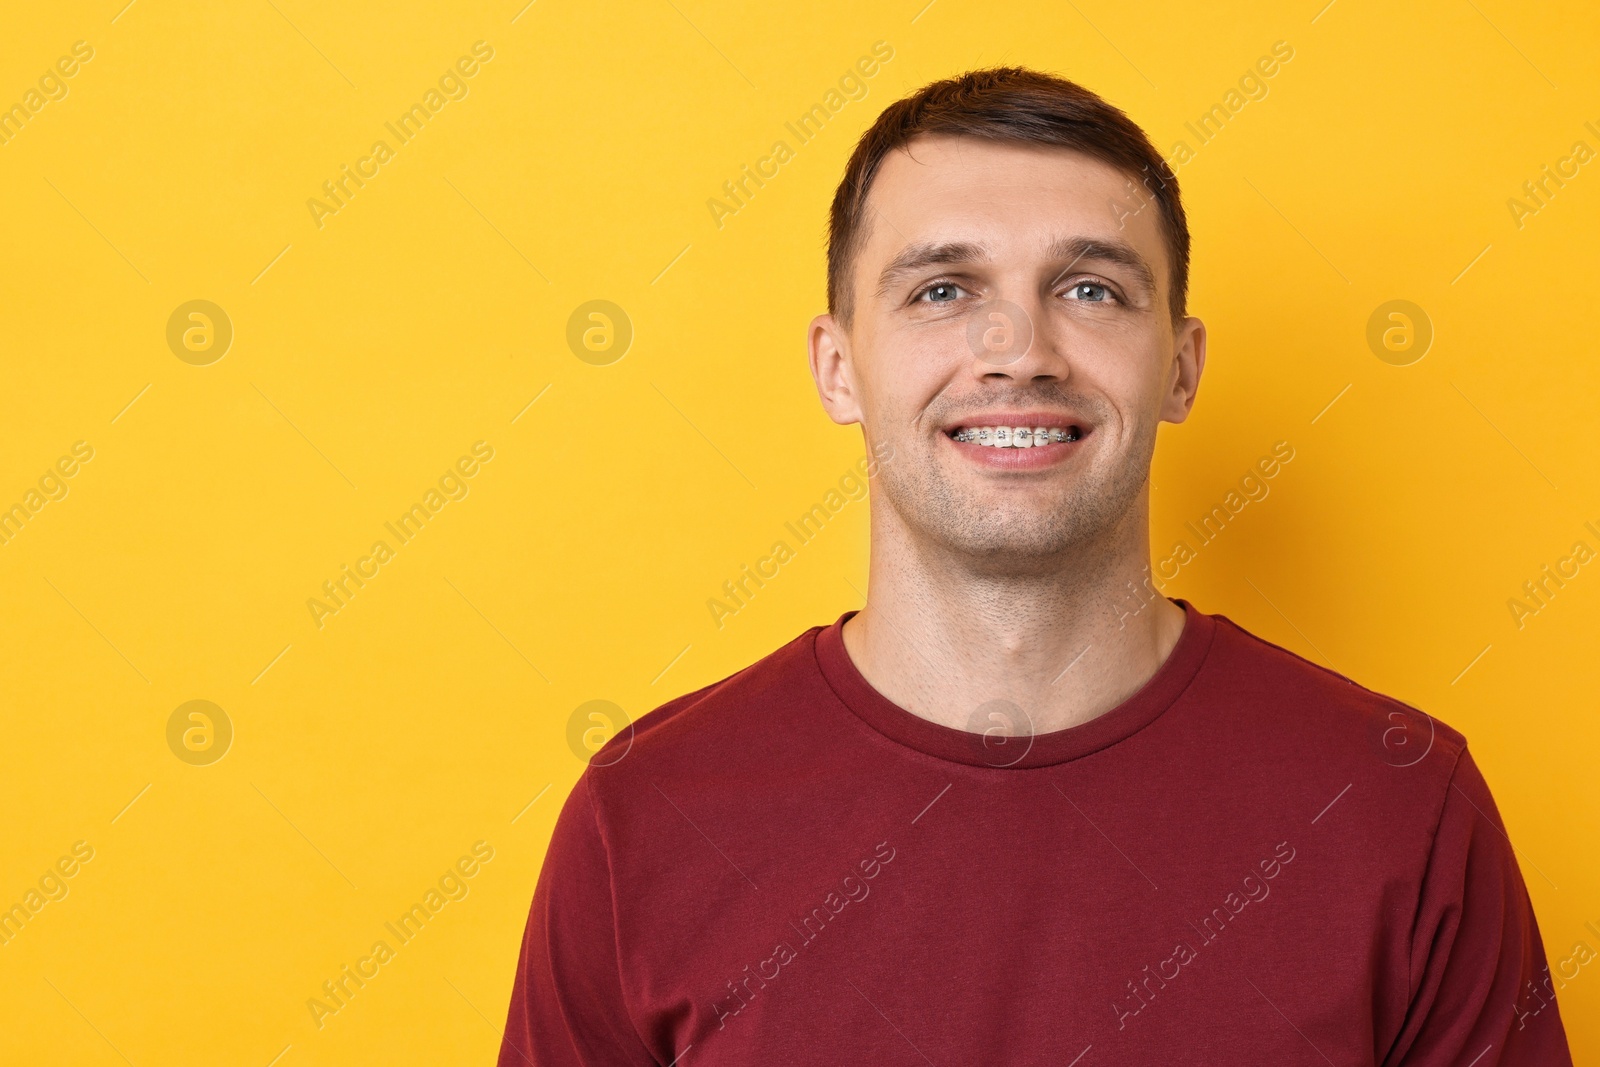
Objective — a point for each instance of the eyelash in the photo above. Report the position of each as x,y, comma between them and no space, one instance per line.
1111,290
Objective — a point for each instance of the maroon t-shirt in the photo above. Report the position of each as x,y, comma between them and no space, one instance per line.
1251,860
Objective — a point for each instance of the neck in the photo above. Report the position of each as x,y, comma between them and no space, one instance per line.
1068,639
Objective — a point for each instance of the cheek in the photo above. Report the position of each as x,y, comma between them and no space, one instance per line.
919,347
906,372
1117,373
1116,357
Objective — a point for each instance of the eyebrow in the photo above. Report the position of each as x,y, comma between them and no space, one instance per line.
1073,250
914,258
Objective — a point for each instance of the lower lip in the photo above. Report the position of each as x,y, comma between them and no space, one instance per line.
1017,459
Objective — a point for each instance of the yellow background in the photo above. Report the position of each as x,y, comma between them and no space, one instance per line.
371,352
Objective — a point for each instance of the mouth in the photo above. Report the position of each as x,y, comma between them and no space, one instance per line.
1018,440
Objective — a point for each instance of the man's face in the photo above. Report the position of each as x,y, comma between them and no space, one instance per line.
1006,287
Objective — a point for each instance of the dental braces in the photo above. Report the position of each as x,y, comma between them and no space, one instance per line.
1005,435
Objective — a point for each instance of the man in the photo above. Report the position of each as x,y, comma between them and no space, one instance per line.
1020,808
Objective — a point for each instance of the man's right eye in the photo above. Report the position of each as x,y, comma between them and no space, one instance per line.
939,293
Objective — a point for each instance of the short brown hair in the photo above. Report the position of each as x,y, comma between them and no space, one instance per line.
1011,104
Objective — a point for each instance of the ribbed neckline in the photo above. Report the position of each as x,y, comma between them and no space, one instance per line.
1016,753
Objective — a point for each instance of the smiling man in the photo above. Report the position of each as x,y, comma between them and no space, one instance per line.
1020,808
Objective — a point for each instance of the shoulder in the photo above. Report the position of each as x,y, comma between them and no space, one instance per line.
715,720
1363,777
1331,751
1314,706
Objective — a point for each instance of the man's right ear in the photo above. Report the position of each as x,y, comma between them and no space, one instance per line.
833,371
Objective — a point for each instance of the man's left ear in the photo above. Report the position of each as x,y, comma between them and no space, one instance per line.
829,348
1189,359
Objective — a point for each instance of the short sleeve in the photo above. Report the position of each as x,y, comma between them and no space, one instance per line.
567,1004
1481,990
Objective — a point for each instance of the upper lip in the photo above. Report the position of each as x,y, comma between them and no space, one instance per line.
1050,420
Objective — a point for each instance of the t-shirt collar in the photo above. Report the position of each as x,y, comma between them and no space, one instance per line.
1017,752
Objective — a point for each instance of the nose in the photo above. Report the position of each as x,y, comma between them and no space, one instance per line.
1015,340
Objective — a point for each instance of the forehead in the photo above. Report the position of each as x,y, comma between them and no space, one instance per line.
1015,198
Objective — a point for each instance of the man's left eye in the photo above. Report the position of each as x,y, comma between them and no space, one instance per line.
1091,292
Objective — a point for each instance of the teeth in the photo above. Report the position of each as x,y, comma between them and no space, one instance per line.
1014,436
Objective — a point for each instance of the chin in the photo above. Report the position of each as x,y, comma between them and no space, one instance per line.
1009,533
1007,526
1012,549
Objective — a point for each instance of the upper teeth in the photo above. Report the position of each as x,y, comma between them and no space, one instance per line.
1014,436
